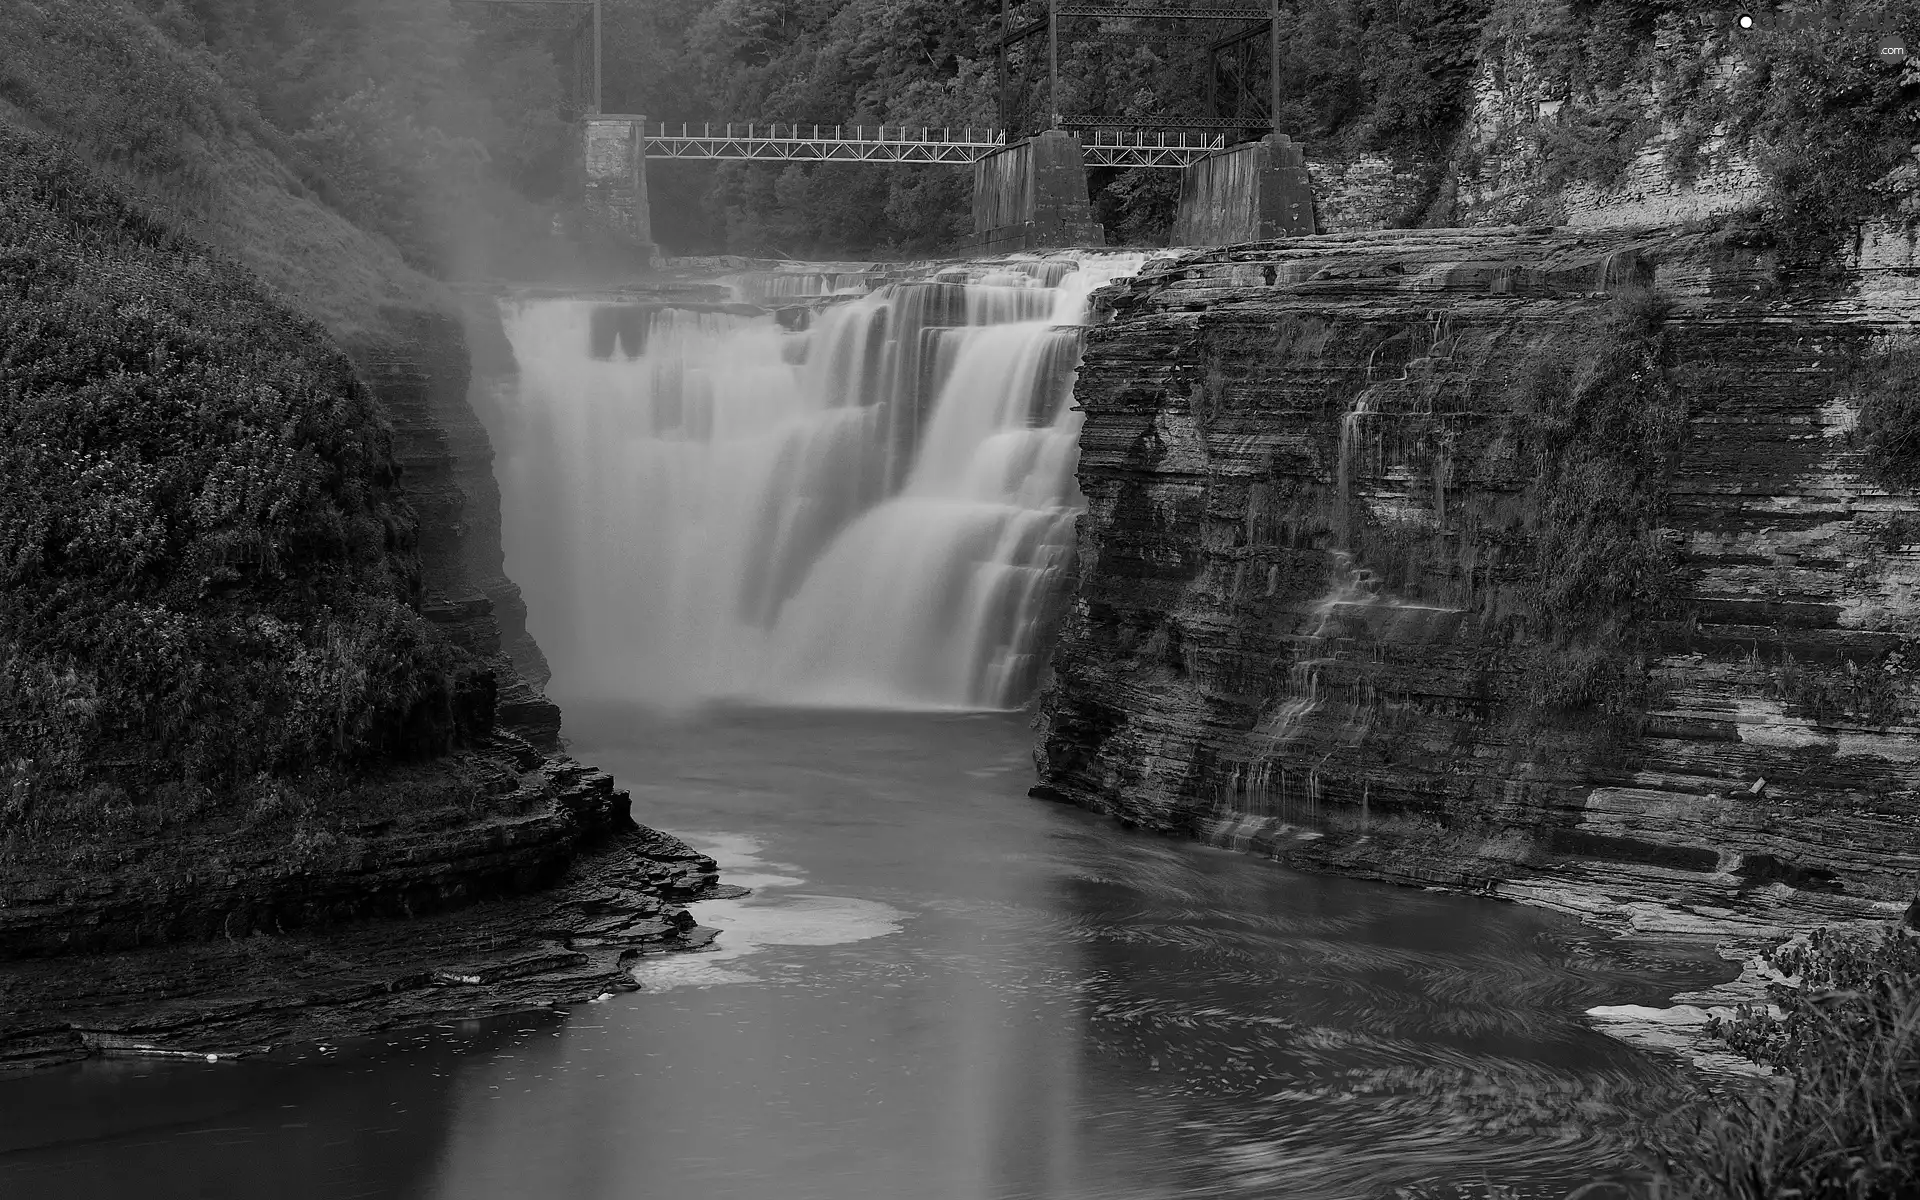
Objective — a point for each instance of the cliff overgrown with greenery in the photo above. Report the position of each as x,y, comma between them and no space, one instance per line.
1803,94
206,571
1600,422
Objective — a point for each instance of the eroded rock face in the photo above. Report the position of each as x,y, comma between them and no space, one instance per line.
572,941
1295,629
429,380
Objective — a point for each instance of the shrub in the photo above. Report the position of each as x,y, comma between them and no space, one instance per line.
206,570
1600,425
1869,694
1846,1123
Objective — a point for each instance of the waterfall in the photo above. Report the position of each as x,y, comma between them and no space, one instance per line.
875,510
1326,702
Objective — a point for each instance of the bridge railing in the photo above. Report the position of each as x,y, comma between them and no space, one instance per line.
792,131
785,141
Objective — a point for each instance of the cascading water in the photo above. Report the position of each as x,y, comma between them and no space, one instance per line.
874,511
1276,793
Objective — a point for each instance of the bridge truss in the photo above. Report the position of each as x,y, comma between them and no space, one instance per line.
900,144
1229,35
1110,140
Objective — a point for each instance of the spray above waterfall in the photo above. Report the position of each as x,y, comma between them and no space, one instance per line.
871,507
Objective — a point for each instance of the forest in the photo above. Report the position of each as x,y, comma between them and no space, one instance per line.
448,125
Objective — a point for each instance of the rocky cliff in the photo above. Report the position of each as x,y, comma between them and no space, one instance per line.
1333,484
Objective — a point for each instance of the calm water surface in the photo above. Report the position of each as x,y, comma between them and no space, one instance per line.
939,990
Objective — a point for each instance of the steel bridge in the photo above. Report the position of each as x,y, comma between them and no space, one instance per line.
1229,36
1030,181
781,142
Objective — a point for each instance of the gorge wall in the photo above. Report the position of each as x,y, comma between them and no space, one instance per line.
1533,146
1308,619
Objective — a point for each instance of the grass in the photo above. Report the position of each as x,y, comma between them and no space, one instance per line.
158,120
1886,377
1869,695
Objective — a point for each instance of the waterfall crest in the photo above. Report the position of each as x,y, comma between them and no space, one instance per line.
874,510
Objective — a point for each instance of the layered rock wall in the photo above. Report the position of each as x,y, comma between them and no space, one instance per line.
1526,151
432,373
1294,629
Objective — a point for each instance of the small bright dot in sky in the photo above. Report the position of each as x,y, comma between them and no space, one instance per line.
1746,22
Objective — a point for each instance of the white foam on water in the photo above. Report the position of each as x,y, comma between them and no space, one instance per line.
748,925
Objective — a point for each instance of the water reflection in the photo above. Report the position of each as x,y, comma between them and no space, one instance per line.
952,993
365,1120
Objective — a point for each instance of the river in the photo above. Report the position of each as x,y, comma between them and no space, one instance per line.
939,990
792,582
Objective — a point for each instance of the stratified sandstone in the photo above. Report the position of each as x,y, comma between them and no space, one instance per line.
1236,664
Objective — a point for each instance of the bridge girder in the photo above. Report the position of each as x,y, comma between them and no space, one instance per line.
895,144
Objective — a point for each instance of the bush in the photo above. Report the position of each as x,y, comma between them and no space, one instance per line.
1600,425
206,570
1846,1123
1848,692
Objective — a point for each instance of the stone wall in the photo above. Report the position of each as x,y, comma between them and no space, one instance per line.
1241,663
1248,193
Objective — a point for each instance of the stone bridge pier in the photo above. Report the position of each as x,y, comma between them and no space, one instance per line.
1252,192
615,157
1033,195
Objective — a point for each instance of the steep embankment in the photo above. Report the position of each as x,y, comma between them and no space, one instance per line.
253,604
1572,568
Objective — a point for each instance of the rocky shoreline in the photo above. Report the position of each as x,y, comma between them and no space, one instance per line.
548,905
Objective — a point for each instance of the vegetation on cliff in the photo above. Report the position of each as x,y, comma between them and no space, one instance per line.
1802,93
449,140
450,130
1887,374
1600,424
206,572
1827,124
